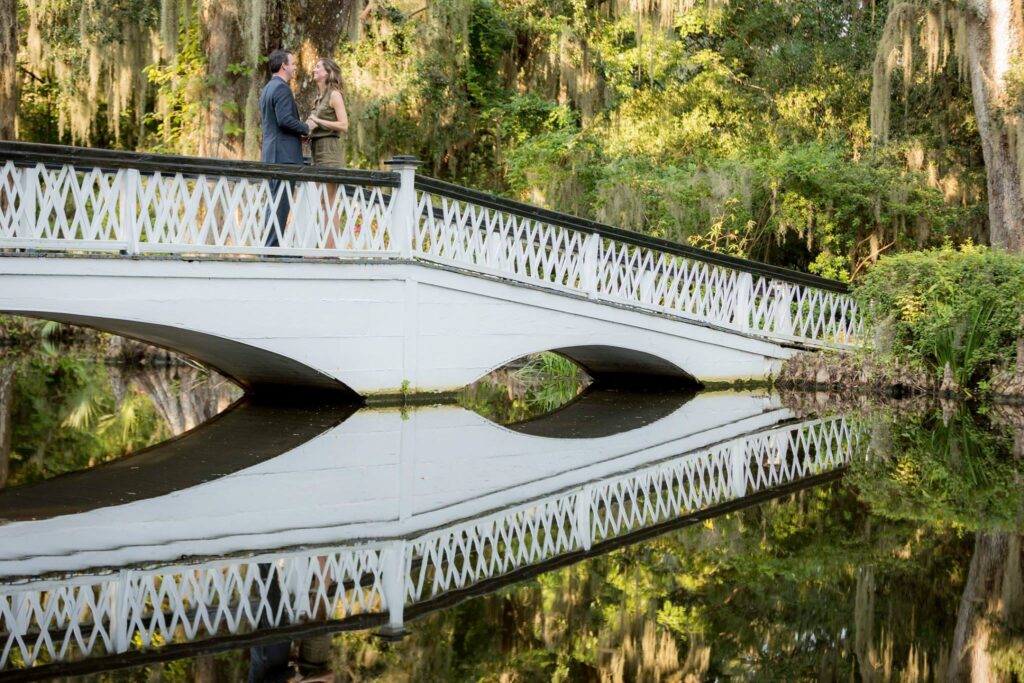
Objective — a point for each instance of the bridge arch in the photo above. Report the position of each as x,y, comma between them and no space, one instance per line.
370,328
613,366
623,367
253,368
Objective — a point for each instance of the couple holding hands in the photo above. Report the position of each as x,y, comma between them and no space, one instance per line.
284,131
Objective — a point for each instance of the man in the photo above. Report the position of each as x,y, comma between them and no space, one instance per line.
282,132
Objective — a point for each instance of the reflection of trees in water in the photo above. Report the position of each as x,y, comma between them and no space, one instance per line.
538,384
988,644
67,407
184,396
941,463
6,420
945,470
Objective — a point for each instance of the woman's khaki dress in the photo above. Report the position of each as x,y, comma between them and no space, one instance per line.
326,144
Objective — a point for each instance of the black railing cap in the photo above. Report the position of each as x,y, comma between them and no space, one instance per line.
403,160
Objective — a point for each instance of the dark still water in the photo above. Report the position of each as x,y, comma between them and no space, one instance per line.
156,525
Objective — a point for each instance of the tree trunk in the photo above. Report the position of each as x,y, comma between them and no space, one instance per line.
204,669
226,104
991,596
181,397
8,68
993,38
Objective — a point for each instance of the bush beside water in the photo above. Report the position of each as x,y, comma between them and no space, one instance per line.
952,313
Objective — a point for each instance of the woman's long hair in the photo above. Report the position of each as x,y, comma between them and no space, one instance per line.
333,81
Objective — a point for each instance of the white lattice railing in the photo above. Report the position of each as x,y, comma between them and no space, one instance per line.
461,227
60,198
54,620
133,204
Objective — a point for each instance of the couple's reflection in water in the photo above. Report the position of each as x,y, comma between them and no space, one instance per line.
304,660
303,521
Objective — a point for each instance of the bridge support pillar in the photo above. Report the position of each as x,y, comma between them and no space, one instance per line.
584,530
495,250
783,294
589,279
404,217
24,227
738,462
744,298
129,215
393,567
119,612
647,288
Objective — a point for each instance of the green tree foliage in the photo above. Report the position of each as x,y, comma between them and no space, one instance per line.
960,307
740,127
544,383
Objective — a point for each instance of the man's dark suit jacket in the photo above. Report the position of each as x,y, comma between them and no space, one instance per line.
282,128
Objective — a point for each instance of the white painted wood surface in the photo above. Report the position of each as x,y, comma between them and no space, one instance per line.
374,326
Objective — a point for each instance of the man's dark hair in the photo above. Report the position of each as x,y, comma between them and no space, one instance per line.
277,59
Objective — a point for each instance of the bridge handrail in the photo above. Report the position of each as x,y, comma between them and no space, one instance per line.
529,211
78,199
466,228
87,159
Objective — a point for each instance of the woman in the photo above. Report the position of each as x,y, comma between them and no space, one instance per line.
326,124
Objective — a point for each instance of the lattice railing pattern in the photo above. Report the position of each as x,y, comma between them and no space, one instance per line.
93,209
459,557
50,621
466,554
462,234
458,232
57,620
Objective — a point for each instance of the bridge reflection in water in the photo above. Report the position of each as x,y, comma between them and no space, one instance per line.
384,516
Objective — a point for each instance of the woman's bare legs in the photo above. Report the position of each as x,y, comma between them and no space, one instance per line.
332,192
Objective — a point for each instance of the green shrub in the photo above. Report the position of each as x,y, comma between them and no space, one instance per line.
960,307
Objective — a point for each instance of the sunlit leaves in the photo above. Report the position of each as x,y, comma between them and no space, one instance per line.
931,301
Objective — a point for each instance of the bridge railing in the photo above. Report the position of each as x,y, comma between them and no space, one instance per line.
73,199
59,619
510,239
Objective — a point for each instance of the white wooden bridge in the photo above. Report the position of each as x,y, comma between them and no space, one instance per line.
383,281
379,529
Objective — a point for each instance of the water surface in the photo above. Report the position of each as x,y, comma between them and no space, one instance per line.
158,524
